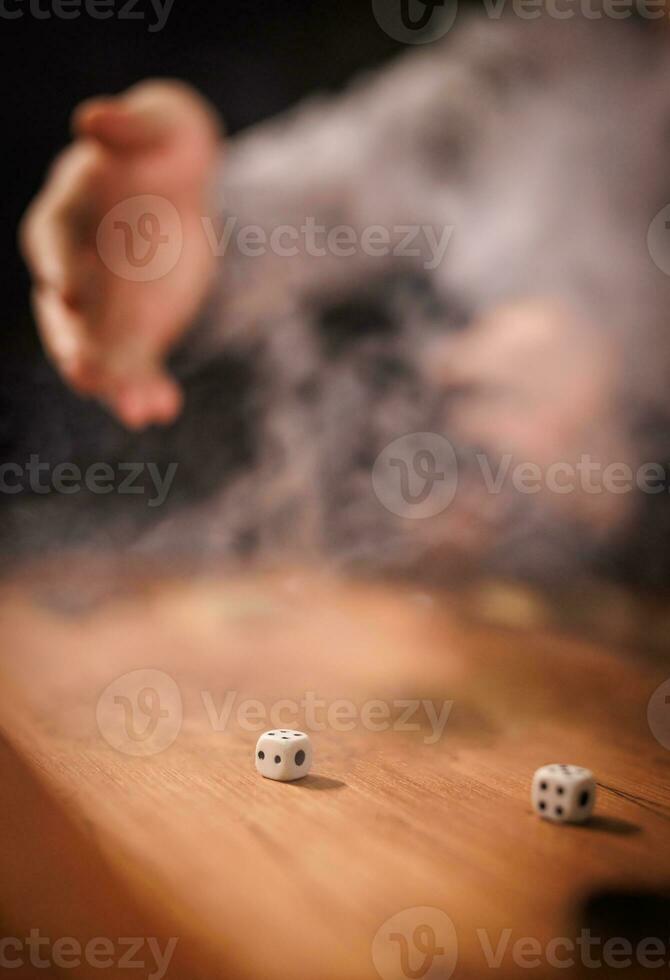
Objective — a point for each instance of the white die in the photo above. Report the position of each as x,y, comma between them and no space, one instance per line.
283,754
563,793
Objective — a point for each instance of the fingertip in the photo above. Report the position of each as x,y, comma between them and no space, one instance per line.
155,401
129,404
89,113
110,123
166,400
121,127
110,127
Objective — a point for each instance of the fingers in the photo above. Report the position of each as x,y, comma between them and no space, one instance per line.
145,396
89,339
53,232
105,336
65,339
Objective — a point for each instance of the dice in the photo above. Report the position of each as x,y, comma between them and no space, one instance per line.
565,794
283,754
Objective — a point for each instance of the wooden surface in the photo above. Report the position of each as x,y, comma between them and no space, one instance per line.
260,879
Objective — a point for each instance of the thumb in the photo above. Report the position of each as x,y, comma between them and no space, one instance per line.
119,127
148,116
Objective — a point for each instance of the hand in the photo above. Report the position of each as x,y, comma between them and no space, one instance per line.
106,332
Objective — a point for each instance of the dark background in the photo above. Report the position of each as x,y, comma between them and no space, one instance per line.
252,59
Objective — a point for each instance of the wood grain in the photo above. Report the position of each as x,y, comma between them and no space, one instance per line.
260,879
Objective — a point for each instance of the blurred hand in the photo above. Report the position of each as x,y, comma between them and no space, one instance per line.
114,291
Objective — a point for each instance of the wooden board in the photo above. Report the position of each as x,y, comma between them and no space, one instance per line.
261,879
